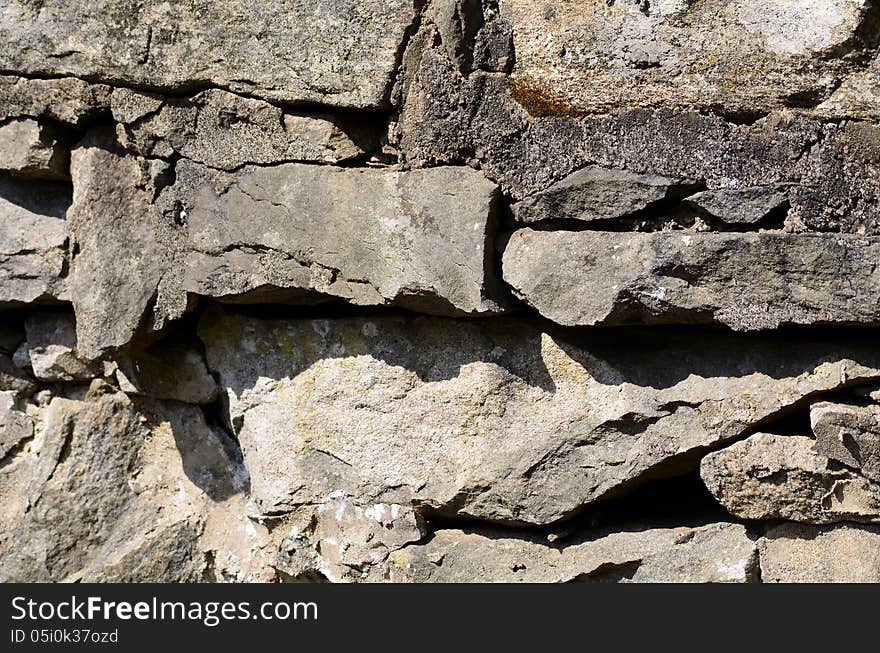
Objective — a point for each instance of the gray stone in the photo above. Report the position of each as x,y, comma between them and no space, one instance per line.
167,371
67,100
458,22
781,477
33,235
420,239
716,553
128,106
15,426
115,233
798,553
169,554
52,351
848,434
595,193
840,182
830,168
15,474
739,56
226,131
287,233
741,206
746,281
494,419
30,149
856,97
342,53
93,484
447,118
341,541
493,45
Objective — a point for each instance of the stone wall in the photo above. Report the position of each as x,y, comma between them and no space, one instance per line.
440,290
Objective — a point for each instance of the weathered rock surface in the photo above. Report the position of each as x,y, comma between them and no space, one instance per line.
51,339
139,492
177,171
420,239
781,477
448,118
30,149
798,553
740,56
848,434
292,232
33,235
494,419
341,53
746,281
226,131
341,541
118,260
67,100
716,553
128,106
595,193
856,97
15,426
839,182
744,206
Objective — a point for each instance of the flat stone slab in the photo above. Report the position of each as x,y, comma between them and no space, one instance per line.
341,53
743,56
780,477
494,419
227,131
51,340
746,281
801,553
290,233
29,149
715,553
65,99
848,434
595,193
33,237
740,206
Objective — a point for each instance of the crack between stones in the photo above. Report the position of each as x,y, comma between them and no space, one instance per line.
185,91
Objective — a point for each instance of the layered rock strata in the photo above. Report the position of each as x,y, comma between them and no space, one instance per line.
439,291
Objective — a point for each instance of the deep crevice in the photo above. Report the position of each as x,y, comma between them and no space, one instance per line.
672,502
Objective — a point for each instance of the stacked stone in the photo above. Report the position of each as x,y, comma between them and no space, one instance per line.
383,290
